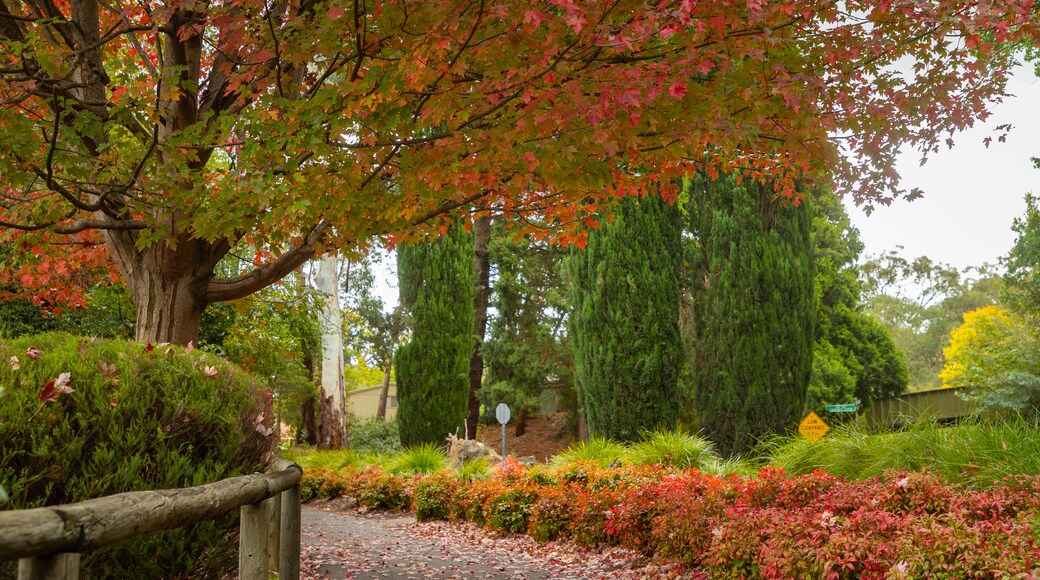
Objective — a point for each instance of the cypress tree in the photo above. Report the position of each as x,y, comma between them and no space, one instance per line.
753,310
625,321
432,369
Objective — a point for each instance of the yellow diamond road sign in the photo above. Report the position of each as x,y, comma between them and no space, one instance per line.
812,427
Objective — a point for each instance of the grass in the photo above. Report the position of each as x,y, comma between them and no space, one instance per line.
425,458
476,469
672,449
975,453
322,458
602,452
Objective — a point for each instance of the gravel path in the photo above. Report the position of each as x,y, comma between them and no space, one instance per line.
340,542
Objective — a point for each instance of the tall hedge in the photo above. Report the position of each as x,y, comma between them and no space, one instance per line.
432,369
753,310
134,419
625,322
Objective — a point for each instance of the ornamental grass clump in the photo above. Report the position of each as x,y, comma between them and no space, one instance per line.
602,452
83,418
422,458
326,458
477,468
671,449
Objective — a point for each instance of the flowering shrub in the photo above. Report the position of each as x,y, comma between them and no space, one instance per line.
902,525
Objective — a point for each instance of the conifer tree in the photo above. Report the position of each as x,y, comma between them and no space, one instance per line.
753,310
527,350
436,283
854,356
625,323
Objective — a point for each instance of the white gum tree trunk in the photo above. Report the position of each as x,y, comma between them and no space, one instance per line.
331,320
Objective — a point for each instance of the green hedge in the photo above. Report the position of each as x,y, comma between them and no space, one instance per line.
137,418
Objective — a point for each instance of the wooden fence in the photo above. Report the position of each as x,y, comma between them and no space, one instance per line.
48,541
942,405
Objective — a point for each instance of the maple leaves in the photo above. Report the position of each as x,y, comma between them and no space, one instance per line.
56,387
52,389
381,119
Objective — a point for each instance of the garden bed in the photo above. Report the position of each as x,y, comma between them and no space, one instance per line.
770,525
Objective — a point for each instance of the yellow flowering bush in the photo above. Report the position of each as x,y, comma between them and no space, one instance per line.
994,355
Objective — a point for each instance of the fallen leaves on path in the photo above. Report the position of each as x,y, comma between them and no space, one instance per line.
348,543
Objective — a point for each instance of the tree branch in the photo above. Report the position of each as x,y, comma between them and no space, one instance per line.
83,225
264,276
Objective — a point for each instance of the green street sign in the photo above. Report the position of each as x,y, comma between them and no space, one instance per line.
849,408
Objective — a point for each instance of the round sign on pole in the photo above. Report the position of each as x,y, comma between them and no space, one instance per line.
502,413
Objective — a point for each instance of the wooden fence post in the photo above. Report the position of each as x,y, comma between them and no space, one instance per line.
289,552
252,543
63,566
274,529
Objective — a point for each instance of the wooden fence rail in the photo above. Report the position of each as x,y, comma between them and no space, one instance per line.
48,541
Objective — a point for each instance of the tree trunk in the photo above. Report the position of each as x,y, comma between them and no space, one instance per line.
168,309
521,422
384,392
481,276
331,434
331,320
310,423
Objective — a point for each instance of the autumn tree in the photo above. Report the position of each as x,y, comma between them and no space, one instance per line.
175,131
753,309
432,368
625,320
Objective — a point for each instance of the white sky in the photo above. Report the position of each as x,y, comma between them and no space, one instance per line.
972,193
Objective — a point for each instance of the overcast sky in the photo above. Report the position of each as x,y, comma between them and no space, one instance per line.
972,193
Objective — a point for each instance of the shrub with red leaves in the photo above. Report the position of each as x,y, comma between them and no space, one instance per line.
901,525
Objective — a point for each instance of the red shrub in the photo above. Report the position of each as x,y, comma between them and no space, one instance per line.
903,525
591,509
696,504
552,514
630,521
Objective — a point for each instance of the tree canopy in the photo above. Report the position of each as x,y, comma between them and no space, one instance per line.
175,130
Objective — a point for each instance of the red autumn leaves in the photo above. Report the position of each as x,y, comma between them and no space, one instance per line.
56,387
